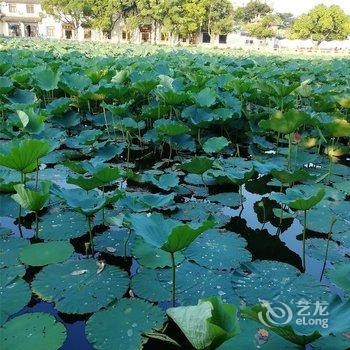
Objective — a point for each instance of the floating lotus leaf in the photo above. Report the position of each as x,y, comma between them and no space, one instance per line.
121,327
340,275
343,186
144,201
215,144
76,288
275,282
32,200
15,293
228,176
10,248
230,199
216,249
316,248
197,165
22,97
41,254
323,226
62,226
166,181
149,256
167,234
37,330
23,155
254,335
116,242
199,211
193,282
208,324
337,341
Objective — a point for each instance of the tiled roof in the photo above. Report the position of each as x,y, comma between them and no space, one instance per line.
24,19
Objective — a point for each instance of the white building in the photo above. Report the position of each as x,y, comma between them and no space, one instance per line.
25,18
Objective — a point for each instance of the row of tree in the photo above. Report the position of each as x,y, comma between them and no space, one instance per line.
187,18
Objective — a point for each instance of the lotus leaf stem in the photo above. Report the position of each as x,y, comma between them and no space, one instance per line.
36,225
329,236
173,278
304,242
289,151
90,234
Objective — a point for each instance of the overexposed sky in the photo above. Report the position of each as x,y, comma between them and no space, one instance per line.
298,7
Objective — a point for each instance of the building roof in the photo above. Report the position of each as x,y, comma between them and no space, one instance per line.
22,1
24,19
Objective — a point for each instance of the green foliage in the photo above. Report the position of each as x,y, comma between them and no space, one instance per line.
263,28
322,23
254,9
208,324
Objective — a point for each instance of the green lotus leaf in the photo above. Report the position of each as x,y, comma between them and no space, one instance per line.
46,79
85,138
151,257
287,122
208,324
172,97
74,84
205,98
22,97
10,248
333,341
62,226
340,275
170,127
58,107
76,287
122,326
129,124
31,121
337,128
230,175
299,198
273,281
15,293
288,177
316,248
6,85
166,181
23,156
101,177
197,165
343,186
37,330
286,332
256,336
215,144
87,203
139,201
41,254
229,199
117,241
193,282
167,234
216,249
32,200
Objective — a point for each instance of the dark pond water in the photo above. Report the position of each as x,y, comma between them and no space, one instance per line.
265,241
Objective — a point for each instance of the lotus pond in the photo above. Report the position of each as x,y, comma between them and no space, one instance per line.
163,198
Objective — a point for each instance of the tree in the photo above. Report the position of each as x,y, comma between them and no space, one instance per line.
251,12
218,17
264,27
287,19
106,13
322,23
72,12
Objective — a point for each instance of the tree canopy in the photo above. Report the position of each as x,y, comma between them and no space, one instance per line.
322,23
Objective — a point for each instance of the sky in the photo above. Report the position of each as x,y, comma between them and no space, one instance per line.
298,7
